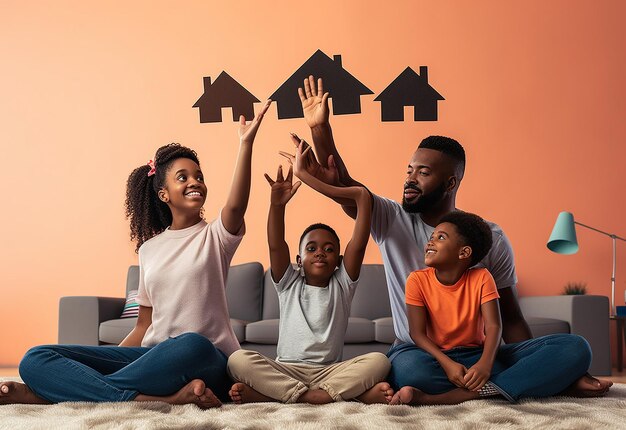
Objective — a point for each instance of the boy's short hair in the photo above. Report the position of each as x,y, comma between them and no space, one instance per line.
317,226
474,231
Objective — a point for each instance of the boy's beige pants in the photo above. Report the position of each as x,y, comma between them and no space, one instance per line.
286,382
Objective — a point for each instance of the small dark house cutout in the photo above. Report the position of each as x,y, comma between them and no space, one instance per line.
409,89
225,92
345,90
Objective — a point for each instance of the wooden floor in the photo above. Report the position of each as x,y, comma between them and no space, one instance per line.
619,377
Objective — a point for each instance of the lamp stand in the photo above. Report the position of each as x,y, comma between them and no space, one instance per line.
614,239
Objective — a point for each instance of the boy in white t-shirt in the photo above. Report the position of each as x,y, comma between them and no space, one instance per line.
314,309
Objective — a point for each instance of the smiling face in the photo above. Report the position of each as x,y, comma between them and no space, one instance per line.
184,190
319,256
430,180
446,249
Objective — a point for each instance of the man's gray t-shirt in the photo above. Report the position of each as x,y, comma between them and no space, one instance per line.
313,320
402,237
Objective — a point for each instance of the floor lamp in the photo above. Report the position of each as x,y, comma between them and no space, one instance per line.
563,241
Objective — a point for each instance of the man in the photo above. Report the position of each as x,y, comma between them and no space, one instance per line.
401,231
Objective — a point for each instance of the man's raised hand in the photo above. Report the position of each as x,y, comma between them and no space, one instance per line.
314,102
329,175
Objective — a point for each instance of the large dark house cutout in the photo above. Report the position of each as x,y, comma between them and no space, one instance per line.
345,90
225,92
409,89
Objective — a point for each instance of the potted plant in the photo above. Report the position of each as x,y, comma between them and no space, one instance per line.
575,288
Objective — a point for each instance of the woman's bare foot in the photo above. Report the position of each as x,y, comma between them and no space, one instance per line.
588,386
194,392
379,393
16,392
241,393
412,396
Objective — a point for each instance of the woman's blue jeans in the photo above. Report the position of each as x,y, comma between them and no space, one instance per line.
62,373
539,367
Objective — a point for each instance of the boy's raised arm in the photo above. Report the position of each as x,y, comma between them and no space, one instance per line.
282,191
237,202
355,250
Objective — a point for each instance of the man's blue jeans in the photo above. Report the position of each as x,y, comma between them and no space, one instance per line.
539,367
62,373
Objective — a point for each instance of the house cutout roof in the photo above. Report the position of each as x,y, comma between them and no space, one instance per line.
409,89
225,92
345,90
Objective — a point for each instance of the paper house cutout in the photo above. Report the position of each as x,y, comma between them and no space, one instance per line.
345,90
225,92
409,89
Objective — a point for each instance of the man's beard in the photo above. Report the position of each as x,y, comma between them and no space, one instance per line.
424,201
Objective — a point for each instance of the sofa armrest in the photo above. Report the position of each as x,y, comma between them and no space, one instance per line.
587,316
80,317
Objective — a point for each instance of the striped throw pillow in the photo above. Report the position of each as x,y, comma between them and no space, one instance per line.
131,308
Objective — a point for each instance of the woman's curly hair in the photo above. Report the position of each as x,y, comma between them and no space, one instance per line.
148,215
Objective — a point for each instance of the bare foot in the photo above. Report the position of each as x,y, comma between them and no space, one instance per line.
412,396
379,393
315,397
241,393
588,386
16,392
407,396
194,392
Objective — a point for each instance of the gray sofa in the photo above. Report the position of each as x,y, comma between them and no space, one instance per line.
253,307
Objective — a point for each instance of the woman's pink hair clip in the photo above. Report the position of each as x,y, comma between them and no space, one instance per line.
152,168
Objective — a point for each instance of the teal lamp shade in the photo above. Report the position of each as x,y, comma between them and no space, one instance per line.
563,237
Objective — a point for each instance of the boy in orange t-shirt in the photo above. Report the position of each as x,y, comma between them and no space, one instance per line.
454,318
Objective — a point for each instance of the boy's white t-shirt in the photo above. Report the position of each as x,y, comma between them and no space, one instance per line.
182,276
313,320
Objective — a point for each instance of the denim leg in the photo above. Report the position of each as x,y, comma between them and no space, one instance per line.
62,373
532,368
412,366
173,363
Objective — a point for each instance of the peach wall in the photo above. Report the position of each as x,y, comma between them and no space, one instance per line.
534,90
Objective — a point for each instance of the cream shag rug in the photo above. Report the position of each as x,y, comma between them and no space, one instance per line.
554,413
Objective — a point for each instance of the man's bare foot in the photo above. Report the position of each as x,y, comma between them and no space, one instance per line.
315,397
588,386
16,392
242,393
412,396
194,392
379,393
407,396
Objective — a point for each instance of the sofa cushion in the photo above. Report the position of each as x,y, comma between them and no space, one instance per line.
114,331
239,327
132,278
244,291
360,330
544,326
371,299
264,331
270,298
383,329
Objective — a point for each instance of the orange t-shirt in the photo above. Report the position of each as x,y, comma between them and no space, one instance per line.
454,317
